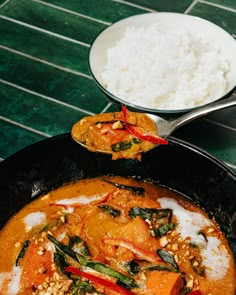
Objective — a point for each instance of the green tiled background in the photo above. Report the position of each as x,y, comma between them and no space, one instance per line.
45,83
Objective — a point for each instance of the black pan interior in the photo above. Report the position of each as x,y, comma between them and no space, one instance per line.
53,162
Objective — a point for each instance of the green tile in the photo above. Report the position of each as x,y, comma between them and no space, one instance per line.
226,117
43,46
164,5
223,18
60,22
36,76
14,138
226,3
2,1
217,140
105,10
41,114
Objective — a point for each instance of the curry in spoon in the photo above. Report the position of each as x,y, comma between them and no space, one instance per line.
123,134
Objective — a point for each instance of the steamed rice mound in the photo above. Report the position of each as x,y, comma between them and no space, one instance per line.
178,70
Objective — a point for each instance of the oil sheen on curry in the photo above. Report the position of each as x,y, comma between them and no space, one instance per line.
123,134
113,235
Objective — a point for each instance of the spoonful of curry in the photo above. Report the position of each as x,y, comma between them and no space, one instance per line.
128,134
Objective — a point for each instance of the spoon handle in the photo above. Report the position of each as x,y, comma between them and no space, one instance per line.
202,111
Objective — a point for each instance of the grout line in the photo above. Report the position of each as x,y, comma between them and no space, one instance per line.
4,3
24,126
45,62
217,5
43,30
191,6
106,107
71,12
134,5
220,124
45,97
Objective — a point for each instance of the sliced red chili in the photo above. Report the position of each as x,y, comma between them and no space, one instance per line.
100,281
140,252
145,136
139,134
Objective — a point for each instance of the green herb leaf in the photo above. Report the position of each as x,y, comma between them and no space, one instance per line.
121,146
112,211
82,287
80,244
160,268
163,229
137,190
98,266
159,218
167,258
150,213
60,261
22,252
132,267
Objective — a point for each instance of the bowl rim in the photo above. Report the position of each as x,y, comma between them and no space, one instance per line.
117,100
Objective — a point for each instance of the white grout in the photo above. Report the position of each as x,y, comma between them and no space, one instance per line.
106,107
24,126
191,6
71,12
4,3
45,62
43,30
217,5
220,124
134,5
45,97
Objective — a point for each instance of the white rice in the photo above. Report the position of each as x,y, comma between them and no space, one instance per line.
178,70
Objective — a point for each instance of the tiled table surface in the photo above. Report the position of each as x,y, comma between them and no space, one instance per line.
45,83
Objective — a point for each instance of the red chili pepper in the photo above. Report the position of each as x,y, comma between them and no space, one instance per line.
143,136
197,292
139,252
124,112
100,281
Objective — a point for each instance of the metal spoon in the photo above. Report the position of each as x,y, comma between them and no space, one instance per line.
167,127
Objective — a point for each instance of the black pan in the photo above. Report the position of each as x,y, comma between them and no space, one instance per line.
53,162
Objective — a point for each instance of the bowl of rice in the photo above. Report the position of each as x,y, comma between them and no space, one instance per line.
164,62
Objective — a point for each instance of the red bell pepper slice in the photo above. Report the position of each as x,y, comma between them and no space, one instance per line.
100,281
137,250
143,136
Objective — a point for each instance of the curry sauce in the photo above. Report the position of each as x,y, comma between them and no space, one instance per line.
114,235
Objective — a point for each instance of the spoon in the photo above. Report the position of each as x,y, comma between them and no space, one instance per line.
167,127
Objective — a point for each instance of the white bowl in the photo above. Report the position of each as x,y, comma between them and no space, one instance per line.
167,23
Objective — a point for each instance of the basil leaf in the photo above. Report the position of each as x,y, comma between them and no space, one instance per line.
121,146
22,252
167,258
163,229
160,268
137,190
112,211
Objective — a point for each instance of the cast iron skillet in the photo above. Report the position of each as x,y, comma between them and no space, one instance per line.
53,162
